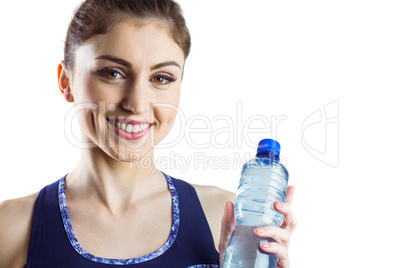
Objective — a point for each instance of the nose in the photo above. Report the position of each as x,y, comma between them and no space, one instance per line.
137,99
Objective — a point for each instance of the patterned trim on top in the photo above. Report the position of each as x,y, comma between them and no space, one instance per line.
204,266
71,236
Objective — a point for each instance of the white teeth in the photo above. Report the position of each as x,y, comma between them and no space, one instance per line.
130,128
136,128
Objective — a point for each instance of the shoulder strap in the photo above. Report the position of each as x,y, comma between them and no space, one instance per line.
194,228
46,223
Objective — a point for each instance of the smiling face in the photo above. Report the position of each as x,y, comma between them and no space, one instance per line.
126,88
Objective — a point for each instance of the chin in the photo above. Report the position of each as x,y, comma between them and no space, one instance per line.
127,154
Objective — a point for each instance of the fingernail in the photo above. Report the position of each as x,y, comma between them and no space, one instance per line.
279,204
259,230
266,245
226,204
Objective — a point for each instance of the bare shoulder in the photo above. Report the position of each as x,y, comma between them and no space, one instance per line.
212,196
213,200
15,229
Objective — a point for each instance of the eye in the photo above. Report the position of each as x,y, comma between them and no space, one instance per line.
110,73
163,79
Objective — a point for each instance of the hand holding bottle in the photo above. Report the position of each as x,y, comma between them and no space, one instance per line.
280,234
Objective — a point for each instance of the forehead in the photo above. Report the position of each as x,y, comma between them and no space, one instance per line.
140,43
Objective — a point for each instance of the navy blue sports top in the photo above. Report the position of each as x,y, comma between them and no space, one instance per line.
53,244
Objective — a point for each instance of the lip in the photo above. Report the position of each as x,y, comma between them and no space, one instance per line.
128,121
126,135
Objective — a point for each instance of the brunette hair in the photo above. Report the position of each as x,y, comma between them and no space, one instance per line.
98,16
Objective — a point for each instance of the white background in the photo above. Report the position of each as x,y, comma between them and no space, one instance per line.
275,59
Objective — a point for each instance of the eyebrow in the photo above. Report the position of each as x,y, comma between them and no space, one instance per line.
116,60
129,65
166,63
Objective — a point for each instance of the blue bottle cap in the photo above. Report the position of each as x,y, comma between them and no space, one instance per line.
269,145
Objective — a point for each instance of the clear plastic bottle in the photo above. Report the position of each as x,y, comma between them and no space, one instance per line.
263,182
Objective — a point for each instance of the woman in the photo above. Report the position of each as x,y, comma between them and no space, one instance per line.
123,69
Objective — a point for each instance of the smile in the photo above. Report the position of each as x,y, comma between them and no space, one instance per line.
130,129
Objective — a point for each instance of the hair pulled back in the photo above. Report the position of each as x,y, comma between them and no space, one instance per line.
95,17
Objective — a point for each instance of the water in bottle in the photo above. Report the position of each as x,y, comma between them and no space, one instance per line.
263,182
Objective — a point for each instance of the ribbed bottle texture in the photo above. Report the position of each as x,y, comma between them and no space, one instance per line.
263,182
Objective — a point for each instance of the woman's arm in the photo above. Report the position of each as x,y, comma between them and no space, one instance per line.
15,229
213,200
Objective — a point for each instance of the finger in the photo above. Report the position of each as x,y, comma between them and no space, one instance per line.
227,225
228,219
289,219
280,252
281,236
289,194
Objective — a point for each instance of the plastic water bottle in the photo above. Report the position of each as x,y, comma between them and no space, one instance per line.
263,182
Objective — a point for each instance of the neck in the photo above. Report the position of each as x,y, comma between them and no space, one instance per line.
116,184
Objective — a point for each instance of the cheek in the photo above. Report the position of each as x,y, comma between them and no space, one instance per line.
90,103
166,105
166,114
86,91
92,93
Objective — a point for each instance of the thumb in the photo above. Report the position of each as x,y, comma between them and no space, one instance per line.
227,225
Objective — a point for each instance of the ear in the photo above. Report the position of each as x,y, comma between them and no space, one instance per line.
64,82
